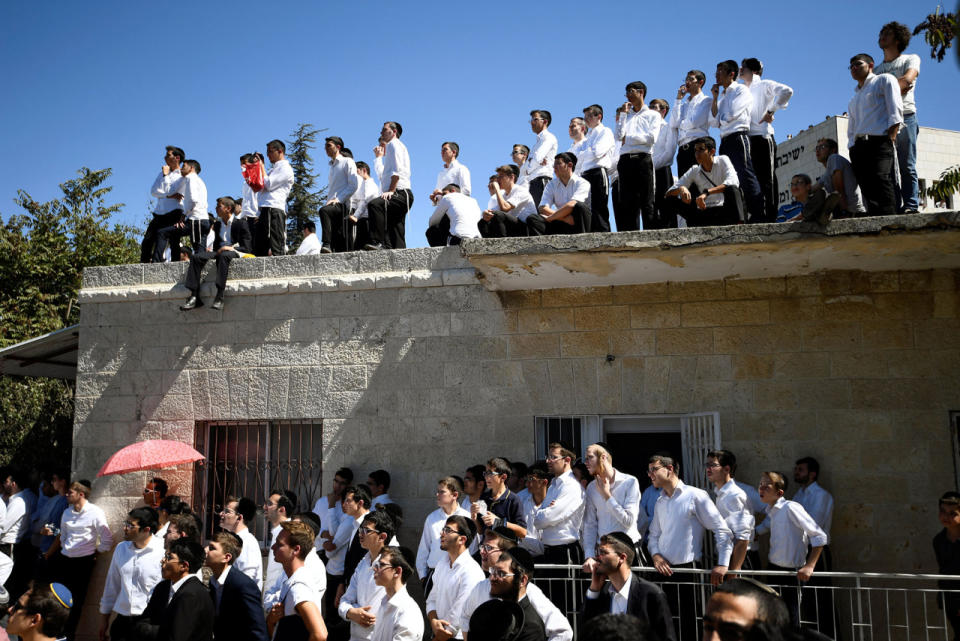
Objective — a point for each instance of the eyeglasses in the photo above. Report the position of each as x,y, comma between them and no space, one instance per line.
488,473
819,147
711,465
16,607
170,558
552,457
366,530
489,548
127,525
727,631
227,511
450,530
378,566
497,573
149,490
653,470
538,120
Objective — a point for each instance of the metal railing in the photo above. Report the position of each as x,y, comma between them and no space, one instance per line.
847,606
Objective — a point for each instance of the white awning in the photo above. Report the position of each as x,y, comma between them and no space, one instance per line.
52,355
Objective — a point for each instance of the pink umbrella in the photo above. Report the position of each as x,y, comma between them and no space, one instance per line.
149,455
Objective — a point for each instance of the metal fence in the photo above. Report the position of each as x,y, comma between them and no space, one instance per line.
847,606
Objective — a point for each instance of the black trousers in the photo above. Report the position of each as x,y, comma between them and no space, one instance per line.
122,627
199,259
763,150
663,181
271,232
615,199
75,574
686,158
736,147
538,226
599,195
332,218
635,174
789,589
730,213
872,160
437,234
387,219
821,607
158,222
361,234
197,230
558,584
330,615
683,598
24,557
537,185
502,225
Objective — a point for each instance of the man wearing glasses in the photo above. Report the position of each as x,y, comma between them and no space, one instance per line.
399,618
234,518
454,579
429,553
356,505
690,117
504,508
133,573
509,578
538,168
638,128
40,614
180,608
738,605
154,492
732,503
614,588
360,604
709,193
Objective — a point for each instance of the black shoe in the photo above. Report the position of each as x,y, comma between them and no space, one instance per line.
325,249
217,303
372,246
192,302
910,211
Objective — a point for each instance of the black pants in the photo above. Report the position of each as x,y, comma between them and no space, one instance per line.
361,234
686,158
635,172
158,222
122,627
665,218
537,185
330,615
789,589
199,259
437,234
820,607
24,557
599,195
872,160
502,225
271,232
538,226
387,219
615,199
730,213
763,150
558,584
197,230
736,147
332,219
683,598
75,574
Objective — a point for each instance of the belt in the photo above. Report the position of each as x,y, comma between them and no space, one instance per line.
562,546
860,137
635,153
735,133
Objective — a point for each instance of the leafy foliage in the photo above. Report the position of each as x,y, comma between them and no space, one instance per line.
947,184
939,31
303,202
42,255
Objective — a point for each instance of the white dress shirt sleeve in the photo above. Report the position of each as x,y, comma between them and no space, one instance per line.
556,625
653,535
280,176
558,510
111,588
779,95
710,518
803,521
103,529
423,550
582,192
439,211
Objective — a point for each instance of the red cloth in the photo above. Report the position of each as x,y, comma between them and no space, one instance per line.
253,175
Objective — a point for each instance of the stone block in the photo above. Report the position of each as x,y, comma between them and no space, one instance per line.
860,364
755,288
937,333
113,276
285,306
831,337
803,285
520,299
852,307
446,299
305,330
854,425
460,277
602,318
392,280
277,355
685,341
725,313
577,296
426,279
378,302
121,313
248,269
795,310
502,374
895,394
431,324
940,364
919,281
585,384
608,387
696,290
637,342
917,305
534,346
357,282
261,287
374,327
800,365
714,367
351,352
545,320
874,282
758,340
753,366
462,374
340,303
946,304
655,315
777,395
722,396
636,294
480,348
833,395
886,334
489,323
580,344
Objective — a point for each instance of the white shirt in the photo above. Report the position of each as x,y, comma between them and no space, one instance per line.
676,531
464,213
456,174
561,512
176,586
898,67
274,571
734,507
452,584
555,622
598,148
734,109
576,148
396,162
381,499
250,207
194,192
165,186
691,116
309,245
367,191
791,528
722,173
79,531
521,200
429,553
250,559
768,96
818,503
875,107
329,517
131,578
313,572
616,514
276,186
618,598
342,180
361,592
638,130
16,522
341,539
754,502
543,150
399,618
298,588
531,543
665,147
556,194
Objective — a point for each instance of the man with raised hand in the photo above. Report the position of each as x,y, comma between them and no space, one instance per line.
612,502
388,213
563,208
453,172
595,164
691,117
270,236
538,168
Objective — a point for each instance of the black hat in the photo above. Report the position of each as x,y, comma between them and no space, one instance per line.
506,533
496,620
523,558
622,537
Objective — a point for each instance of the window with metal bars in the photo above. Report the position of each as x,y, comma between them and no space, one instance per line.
251,458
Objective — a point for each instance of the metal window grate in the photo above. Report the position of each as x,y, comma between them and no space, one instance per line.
249,458
562,429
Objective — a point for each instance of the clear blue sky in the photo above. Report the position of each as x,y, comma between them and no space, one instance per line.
109,84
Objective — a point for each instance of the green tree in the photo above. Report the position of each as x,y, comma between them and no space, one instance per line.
303,201
939,30
42,255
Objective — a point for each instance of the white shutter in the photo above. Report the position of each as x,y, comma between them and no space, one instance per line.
699,433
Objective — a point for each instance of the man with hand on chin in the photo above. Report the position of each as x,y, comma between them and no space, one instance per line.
563,208
612,505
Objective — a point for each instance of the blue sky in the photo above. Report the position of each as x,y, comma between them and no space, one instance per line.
109,84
